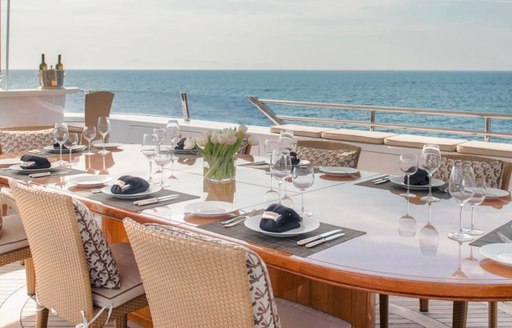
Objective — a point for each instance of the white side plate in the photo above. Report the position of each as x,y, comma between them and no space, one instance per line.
501,252
338,171
90,180
307,225
76,149
493,193
106,145
209,208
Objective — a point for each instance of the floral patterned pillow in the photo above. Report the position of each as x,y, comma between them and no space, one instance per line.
18,141
491,172
328,157
264,310
103,271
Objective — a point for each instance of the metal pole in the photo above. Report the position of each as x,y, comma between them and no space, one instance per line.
184,106
372,120
487,128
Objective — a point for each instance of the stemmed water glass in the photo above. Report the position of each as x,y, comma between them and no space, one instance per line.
409,165
303,177
430,161
89,133
60,135
103,128
479,192
172,133
429,236
407,223
149,149
162,158
280,166
71,144
461,186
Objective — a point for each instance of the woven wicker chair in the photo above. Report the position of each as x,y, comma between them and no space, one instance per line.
62,273
443,173
13,241
24,138
197,281
328,153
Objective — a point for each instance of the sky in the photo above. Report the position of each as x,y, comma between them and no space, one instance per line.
263,34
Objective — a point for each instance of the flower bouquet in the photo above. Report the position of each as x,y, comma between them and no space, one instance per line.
219,149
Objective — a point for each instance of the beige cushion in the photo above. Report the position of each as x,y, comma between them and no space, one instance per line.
328,157
485,148
300,130
13,235
103,271
413,141
17,141
131,284
300,316
491,172
371,137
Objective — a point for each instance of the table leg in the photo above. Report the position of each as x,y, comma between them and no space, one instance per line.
493,314
460,313
384,310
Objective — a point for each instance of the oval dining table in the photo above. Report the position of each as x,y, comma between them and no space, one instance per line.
405,249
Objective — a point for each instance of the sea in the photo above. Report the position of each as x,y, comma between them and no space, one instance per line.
220,95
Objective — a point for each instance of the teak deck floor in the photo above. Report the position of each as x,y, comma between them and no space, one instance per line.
18,310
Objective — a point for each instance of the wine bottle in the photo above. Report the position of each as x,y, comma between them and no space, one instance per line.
43,66
59,65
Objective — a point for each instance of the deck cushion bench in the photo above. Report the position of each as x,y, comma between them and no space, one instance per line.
300,130
413,141
370,137
485,148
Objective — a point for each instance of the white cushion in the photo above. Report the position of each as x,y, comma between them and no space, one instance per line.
485,148
131,284
371,137
300,130
413,141
12,141
13,235
296,315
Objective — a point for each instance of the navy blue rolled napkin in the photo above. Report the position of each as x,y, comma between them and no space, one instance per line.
279,218
420,178
181,144
294,159
31,161
128,184
56,146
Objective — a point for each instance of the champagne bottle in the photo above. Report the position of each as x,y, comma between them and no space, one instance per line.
59,65
43,66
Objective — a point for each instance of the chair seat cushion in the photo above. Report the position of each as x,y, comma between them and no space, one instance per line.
485,148
300,316
131,284
300,130
12,235
371,137
413,141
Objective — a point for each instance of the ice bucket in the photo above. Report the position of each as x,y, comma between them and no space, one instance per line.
51,78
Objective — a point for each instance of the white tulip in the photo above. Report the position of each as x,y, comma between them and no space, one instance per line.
202,141
190,143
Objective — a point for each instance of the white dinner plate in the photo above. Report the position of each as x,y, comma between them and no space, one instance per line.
302,161
90,180
106,145
399,181
338,171
209,208
307,225
153,188
493,193
500,252
18,168
53,150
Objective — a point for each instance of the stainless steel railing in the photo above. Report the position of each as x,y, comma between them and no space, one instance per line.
487,133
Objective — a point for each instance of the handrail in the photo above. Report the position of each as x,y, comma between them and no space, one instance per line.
487,133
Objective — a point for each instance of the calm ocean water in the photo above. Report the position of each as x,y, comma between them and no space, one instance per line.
220,95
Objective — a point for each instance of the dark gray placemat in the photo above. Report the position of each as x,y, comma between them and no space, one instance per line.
26,177
390,186
492,237
288,245
127,204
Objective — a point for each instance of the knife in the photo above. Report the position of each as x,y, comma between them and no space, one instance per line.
47,174
325,234
323,240
148,201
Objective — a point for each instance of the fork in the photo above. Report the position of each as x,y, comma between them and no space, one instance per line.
504,238
240,219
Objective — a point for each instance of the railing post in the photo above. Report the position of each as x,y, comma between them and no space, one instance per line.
184,106
372,120
265,110
487,128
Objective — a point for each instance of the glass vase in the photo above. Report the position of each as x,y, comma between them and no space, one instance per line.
219,169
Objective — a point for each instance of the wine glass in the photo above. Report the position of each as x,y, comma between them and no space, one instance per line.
172,134
162,158
479,192
280,166
409,165
429,236
60,135
160,135
71,144
103,128
303,177
462,182
149,149
407,223
89,133
430,161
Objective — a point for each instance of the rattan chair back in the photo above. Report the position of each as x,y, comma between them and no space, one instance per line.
52,231
23,138
353,151
189,282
